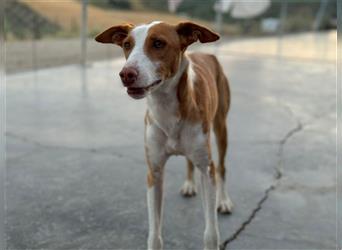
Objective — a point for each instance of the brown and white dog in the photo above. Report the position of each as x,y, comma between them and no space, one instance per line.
187,96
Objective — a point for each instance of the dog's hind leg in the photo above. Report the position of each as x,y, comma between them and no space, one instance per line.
201,158
224,204
189,188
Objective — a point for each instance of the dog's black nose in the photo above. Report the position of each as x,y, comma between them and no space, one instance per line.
128,76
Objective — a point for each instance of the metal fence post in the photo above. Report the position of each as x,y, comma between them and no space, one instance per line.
218,21
84,24
2,127
339,126
282,20
320,14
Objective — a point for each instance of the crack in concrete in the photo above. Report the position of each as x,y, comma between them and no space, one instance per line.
278,175
279,170
249,219
279,167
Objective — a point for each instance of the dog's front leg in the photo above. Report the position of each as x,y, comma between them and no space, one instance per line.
155,158
199,153
208,193
155,206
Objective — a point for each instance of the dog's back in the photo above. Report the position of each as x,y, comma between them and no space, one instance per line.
208,98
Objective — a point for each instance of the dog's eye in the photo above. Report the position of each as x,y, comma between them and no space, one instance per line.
158,44
127,45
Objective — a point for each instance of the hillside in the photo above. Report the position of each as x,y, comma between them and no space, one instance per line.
67,14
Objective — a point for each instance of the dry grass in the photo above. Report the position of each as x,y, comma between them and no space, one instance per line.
67,13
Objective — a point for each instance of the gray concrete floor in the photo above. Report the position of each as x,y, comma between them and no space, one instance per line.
76,171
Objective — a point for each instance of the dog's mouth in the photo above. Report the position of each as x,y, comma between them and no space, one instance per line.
138,93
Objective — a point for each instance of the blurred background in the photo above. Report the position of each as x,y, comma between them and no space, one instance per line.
76,173
49,33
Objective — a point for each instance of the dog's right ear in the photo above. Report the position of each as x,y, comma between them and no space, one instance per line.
115,34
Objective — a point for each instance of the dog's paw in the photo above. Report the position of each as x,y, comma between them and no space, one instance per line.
188,189
225,206
154,242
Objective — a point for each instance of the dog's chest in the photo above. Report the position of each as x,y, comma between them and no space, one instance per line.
164,113
180,137
167,120
174,143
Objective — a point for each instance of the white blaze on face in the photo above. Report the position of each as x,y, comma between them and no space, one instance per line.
138,59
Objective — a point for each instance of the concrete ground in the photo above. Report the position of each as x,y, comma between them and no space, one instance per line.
76,172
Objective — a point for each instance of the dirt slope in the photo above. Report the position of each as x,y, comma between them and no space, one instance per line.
67,14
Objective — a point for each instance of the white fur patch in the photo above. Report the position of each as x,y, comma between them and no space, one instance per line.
224,204
191,74
138,58
154,202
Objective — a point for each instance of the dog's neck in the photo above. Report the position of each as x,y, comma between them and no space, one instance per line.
163,103
167,92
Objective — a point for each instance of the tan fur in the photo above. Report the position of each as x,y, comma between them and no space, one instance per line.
168,57
190,169
131,41
150,179
200,104
212,172
220,124
190,32
115,34
208,102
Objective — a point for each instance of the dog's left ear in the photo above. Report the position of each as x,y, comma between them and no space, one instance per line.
190,32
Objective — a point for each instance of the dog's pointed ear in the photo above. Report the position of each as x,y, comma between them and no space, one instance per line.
190,32
115,34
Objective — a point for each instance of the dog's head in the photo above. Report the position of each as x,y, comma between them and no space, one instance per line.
153,51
